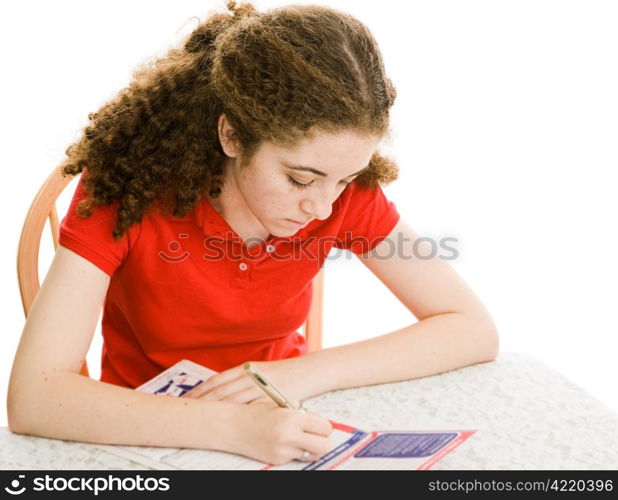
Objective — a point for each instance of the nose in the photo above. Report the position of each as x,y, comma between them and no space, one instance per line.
318,204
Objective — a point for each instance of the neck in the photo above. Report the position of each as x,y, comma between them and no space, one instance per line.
232,206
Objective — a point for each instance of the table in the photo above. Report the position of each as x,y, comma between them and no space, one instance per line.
527,416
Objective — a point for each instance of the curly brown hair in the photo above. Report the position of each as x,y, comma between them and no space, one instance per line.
277,76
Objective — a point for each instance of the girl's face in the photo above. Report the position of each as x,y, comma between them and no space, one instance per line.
284,189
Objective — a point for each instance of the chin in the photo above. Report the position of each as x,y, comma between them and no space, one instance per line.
282,232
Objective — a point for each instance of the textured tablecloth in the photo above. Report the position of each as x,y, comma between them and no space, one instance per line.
527,416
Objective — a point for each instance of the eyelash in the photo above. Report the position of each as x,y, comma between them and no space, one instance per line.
300,185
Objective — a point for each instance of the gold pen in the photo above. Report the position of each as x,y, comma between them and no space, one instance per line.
270,389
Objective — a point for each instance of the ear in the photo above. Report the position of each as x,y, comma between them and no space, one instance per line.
227,137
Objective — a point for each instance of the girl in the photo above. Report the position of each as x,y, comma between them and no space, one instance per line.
212,189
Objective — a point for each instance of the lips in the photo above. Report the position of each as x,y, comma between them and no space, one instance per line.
300,223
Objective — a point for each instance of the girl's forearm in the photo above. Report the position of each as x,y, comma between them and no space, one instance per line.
434,345
76,408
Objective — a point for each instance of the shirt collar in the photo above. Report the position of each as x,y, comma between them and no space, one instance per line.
212,223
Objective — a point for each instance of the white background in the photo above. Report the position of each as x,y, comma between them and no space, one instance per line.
505,130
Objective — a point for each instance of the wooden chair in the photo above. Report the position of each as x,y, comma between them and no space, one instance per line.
43,207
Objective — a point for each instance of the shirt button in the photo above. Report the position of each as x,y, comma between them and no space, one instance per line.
243,266
270,248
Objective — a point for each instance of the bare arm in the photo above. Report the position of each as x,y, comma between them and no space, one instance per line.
48,397
454,328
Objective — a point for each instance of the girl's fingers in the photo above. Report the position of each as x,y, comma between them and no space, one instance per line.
263,400
315,444
316,424
222,391
245,396
216,381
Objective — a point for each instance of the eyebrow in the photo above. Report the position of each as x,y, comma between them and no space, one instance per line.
318,172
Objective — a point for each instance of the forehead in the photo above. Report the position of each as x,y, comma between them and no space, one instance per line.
342,153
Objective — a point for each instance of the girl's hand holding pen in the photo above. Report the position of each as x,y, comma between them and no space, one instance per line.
275,435
270,428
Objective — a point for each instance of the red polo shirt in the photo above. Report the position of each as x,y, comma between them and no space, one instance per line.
189,287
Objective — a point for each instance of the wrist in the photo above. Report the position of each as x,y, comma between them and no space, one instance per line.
222,419
305,375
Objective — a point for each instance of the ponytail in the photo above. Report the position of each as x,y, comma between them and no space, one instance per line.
205,35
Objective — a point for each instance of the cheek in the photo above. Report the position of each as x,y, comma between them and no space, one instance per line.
281,204
282,196
274,198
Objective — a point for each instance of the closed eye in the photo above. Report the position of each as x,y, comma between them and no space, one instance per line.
301,185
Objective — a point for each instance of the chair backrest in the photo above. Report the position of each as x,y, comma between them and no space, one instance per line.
43,207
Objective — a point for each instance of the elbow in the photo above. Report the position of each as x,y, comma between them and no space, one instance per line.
15,422
492,346
14,425
489,343
19,410
22,421
14,410
486,339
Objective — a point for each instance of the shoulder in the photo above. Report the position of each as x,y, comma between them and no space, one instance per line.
360,199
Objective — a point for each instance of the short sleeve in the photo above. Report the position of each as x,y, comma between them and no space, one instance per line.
368,218
91,237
